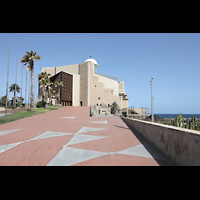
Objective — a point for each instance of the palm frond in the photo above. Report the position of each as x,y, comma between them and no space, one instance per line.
12,88
28,68
38,57
25,63
30,56
25,58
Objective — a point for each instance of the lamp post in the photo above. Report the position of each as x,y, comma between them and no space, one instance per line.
7,81
15,85
21,90
26,90
152,98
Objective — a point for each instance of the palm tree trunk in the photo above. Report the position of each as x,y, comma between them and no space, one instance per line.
14,100
42,94
32,104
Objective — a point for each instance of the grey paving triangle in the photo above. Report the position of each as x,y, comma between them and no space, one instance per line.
8,131
141,151
49,134
70,156
89,129
68,117
78,138
100,122
6,147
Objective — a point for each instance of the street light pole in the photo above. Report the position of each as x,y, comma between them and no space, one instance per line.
21,90
26,90
15,85
152,98
7,81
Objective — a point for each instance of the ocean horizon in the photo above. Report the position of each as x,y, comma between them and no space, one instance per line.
166,116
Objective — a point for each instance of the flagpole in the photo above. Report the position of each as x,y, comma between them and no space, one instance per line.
7,81
29,90
26,90
15,85
21,90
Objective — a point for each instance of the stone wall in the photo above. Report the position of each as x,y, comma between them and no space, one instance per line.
71,69
181,146
84,83
76,90
104,91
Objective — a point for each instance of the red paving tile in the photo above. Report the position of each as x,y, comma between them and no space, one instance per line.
120,160
110,144
40,152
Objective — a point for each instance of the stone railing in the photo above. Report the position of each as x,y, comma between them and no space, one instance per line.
138,116
179,145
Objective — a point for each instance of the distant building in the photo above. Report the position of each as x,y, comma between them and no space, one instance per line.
137,113
83,86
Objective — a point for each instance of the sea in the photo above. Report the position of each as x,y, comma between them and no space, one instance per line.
166,116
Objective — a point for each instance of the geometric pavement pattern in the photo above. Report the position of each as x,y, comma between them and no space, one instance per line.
70,154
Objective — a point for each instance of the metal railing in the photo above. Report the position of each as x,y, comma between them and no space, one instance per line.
130,113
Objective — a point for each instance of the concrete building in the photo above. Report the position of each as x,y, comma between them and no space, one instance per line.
83,86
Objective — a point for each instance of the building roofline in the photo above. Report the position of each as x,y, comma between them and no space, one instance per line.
107,76
59,73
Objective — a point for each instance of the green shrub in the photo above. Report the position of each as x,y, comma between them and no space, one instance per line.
41,104
10,107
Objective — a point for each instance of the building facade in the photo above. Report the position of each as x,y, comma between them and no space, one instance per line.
83,86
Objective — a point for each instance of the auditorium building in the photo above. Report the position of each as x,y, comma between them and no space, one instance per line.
83,86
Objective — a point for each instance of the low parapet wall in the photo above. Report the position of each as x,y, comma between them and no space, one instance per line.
181,146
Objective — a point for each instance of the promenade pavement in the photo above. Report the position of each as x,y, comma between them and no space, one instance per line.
70,137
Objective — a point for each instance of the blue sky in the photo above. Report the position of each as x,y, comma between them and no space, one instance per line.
172,58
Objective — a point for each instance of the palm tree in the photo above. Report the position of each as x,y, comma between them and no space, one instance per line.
114,108
53,95
45,83
43,76
28,58
20,99
58,83
12,89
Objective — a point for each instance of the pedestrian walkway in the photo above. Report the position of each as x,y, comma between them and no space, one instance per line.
70,137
